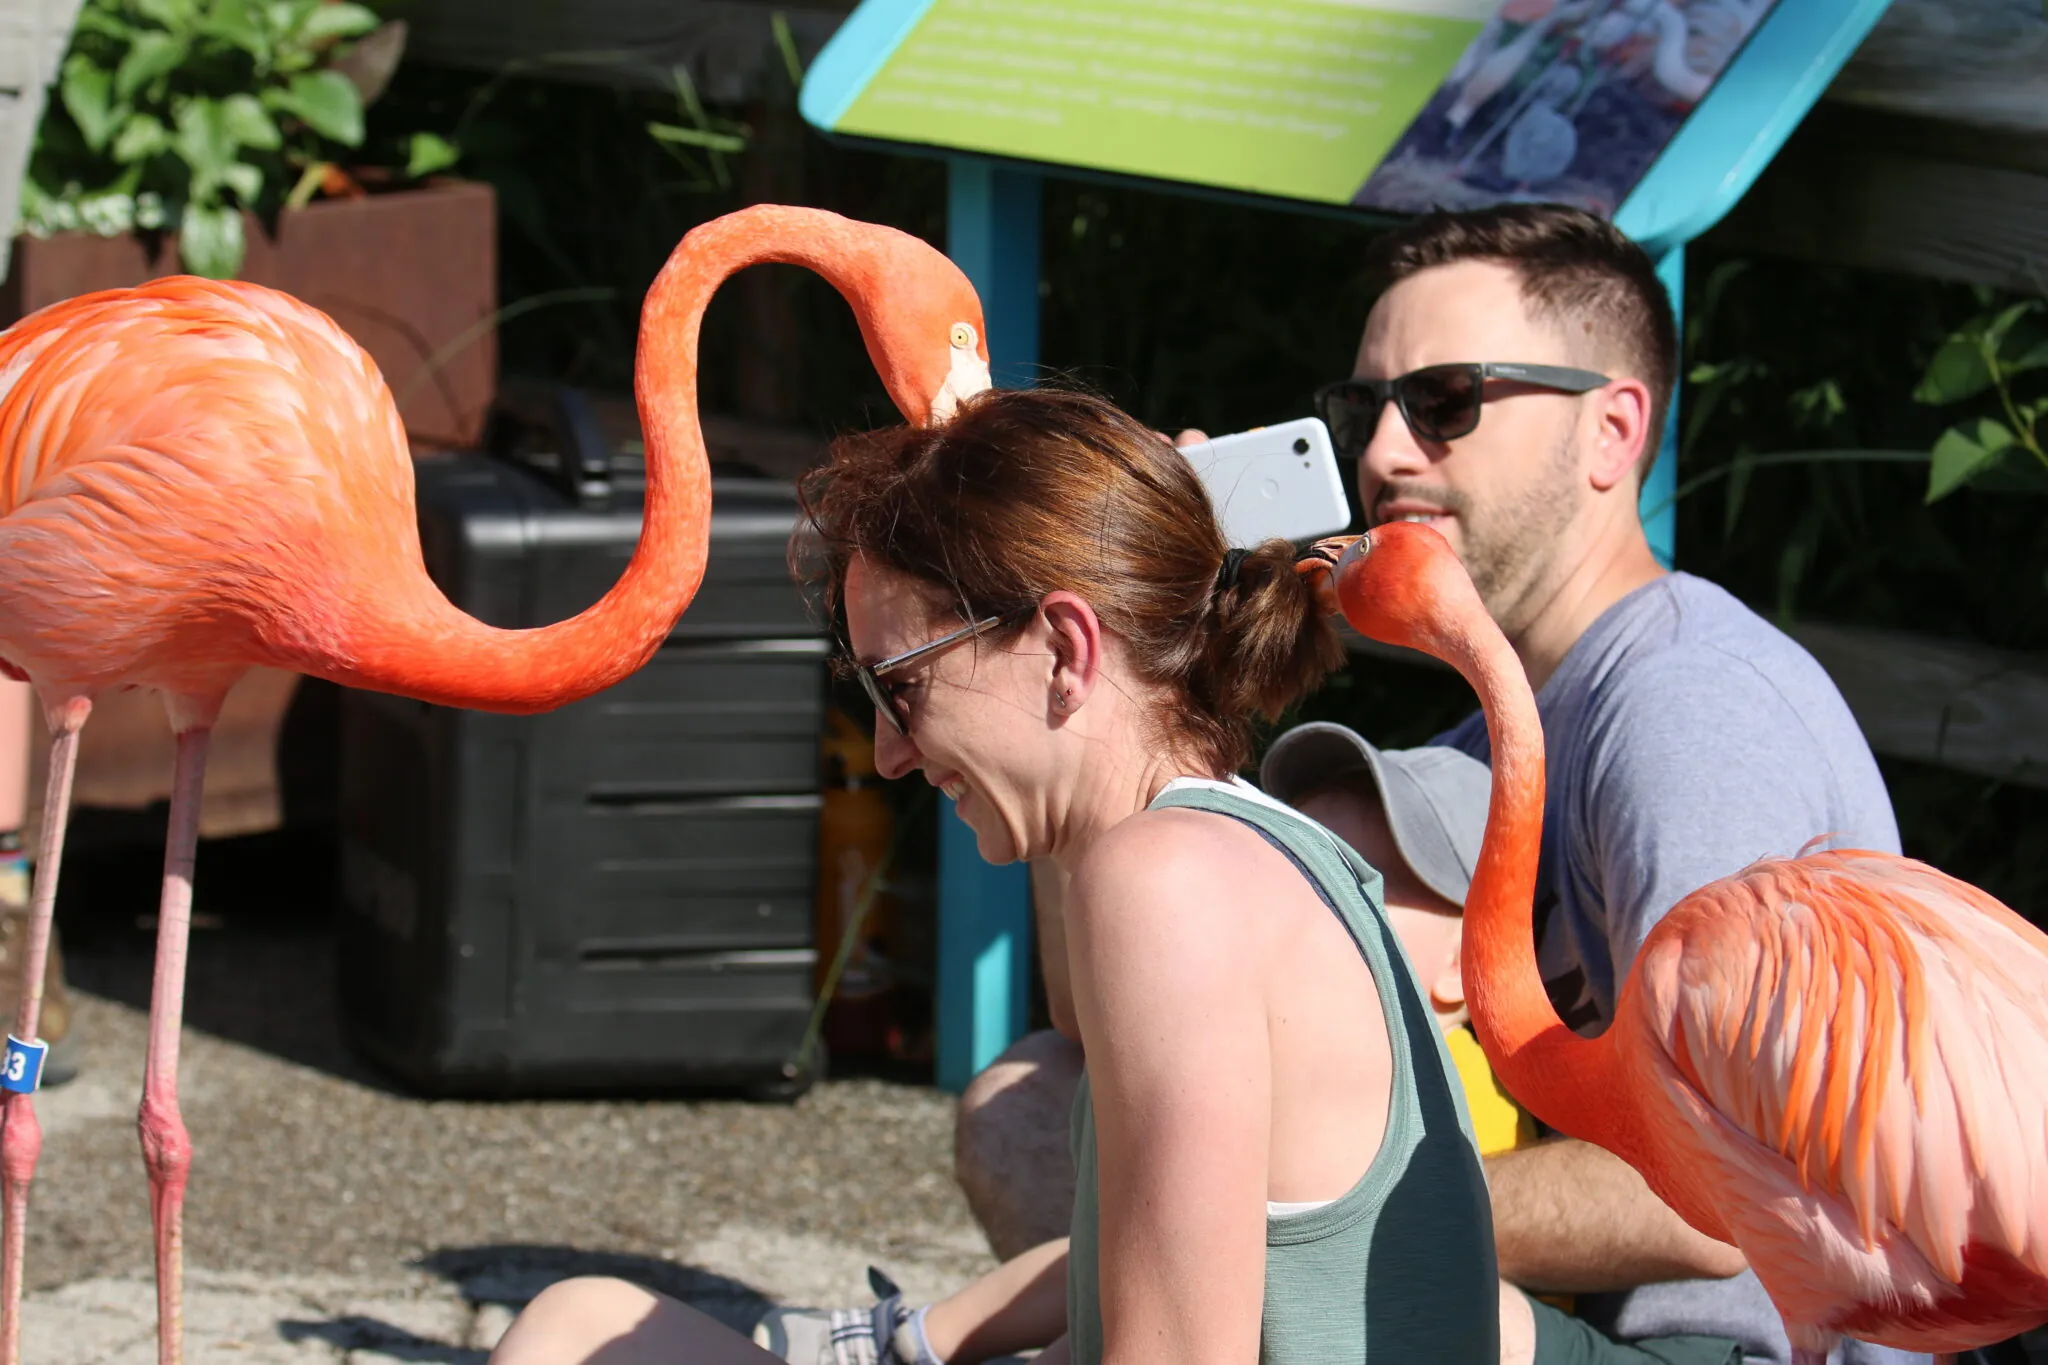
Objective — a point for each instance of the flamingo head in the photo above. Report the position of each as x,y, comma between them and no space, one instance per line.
1400,584
924,330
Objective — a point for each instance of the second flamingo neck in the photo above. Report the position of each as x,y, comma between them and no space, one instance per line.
1566,1081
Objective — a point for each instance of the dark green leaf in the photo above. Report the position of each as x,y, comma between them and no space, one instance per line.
1819,404
2016,471
153,55
240,23
245,120
1957,371
335,21
287,15
430,153
1999,326
88,94
325,102
94,20
204,138
697,137
142,137
1962,453
210,240
785,41
175,15
245,180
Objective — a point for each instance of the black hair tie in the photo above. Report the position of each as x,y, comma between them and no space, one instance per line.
1226,576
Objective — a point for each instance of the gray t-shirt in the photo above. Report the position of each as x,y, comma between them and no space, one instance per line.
1685,738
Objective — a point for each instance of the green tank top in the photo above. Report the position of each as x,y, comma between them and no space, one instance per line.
1399,1269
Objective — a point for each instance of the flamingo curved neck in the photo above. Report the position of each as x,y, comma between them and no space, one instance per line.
438,653
1567,1081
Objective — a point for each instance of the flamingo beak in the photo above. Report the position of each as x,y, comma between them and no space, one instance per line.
1325,560
966,376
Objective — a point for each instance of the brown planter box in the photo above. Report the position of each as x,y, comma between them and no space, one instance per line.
409,275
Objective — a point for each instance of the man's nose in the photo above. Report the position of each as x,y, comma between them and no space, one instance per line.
895,754
1392,453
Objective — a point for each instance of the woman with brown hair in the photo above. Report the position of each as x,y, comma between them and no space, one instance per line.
1274,1161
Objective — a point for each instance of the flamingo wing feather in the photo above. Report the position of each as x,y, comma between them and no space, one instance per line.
1872,1028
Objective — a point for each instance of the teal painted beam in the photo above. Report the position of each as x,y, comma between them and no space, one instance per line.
984,977
1660,519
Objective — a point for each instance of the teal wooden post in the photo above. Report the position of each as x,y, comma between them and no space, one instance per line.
1661,524
992,232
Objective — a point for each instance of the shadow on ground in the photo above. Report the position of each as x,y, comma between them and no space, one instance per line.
510,1277
513,1274
356,1333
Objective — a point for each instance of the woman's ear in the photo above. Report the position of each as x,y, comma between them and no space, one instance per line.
1447,992
1075,633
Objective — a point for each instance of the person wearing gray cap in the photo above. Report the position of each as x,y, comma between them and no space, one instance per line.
1434,798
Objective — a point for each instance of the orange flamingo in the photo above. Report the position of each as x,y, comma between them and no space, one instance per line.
1833,1062
197,477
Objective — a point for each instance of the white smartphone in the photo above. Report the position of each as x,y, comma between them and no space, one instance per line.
1278,481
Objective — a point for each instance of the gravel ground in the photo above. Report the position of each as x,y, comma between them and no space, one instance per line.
310,1167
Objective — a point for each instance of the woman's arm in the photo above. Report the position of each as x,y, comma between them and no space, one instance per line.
1168,980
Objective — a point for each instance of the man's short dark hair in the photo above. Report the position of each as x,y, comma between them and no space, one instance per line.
1575,269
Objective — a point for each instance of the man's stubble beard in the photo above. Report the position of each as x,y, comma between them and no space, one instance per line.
1510,545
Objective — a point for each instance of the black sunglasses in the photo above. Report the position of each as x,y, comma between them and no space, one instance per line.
1439,402
887,703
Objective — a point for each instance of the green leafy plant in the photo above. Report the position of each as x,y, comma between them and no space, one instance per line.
180,114
1988,356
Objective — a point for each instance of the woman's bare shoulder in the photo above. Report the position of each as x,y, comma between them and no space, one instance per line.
1178,869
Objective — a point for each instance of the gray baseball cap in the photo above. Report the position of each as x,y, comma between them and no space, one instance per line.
1435,798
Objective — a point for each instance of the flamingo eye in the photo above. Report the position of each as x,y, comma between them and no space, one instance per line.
963,337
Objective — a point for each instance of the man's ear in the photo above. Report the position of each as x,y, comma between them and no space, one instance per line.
1075,633
1621,431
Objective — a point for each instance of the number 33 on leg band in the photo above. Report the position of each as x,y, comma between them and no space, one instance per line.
22,1069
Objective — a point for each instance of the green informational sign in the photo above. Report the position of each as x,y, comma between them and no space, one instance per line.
1295,98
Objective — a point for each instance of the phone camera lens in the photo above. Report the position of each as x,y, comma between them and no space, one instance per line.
1301,445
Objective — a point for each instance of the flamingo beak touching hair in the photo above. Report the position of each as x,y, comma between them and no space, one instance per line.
1322,564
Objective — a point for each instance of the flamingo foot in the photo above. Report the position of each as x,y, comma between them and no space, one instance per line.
21,1134
166,1146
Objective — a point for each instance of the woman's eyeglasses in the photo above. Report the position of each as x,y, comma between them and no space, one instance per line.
888,704
1439,402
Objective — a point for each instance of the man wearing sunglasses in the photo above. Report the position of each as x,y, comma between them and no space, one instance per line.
1509,390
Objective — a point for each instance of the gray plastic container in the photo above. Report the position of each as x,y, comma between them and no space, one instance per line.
616,896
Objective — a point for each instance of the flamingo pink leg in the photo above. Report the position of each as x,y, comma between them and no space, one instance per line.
166,1147
21,1136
